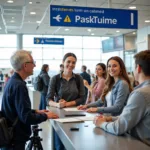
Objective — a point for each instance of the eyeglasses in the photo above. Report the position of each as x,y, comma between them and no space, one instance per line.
32,62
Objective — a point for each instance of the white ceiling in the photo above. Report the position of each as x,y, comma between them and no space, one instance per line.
19,11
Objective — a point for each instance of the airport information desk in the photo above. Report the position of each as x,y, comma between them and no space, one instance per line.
88,137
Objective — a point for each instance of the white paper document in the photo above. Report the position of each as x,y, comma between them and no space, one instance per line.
72,109
75,119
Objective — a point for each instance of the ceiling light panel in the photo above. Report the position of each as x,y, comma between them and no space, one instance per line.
132,7
32,13
10,1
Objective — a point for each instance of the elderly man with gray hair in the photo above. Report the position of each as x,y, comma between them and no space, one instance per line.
16,101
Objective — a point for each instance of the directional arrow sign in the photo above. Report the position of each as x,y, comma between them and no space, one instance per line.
93,17
54,41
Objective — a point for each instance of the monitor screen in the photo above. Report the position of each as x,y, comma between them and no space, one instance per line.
107,45
113,44
118,43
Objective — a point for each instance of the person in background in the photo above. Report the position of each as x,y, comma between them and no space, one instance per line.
1,76
116,91
135,118
1,80
66,89
16,102
89,72
6,78
86,77
92,75
61,68
97,87
45,78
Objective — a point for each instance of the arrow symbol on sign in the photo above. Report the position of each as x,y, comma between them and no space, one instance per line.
42,41
58,18
37,41
132,19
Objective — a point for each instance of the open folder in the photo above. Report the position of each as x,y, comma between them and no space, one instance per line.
75,119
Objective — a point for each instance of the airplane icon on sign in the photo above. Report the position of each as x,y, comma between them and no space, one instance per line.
58,18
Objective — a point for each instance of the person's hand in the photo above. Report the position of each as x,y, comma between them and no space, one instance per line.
92,110
61,104
85,82
51,115
99,120
82,107
108,118
61,100
41,111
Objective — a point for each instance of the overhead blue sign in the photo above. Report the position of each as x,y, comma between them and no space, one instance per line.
93,17
54,41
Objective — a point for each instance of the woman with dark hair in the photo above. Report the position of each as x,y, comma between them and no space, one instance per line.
45,78
66,89
95,90
116,91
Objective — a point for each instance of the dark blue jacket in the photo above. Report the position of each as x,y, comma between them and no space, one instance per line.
86,76
45,79
16,103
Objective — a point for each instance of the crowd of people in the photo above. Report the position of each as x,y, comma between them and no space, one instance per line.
123,106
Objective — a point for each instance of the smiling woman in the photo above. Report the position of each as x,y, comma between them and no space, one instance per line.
116,90
66,89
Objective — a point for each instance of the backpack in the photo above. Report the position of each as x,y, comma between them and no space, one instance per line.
38,83
6,133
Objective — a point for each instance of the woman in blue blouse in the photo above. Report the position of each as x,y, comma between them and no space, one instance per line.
66,89
116,91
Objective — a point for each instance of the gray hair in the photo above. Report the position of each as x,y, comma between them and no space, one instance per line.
18,58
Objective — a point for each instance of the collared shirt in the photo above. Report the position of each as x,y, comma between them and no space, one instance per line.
68,90
135,117
119,95
16,103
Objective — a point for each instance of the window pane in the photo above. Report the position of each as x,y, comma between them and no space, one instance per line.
91,54
78,67
91,42
6,52
73,42
36,52
38,66
8,40
28,41
5,64
77,52
52,53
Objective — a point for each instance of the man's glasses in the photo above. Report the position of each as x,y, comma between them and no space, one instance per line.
31,62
